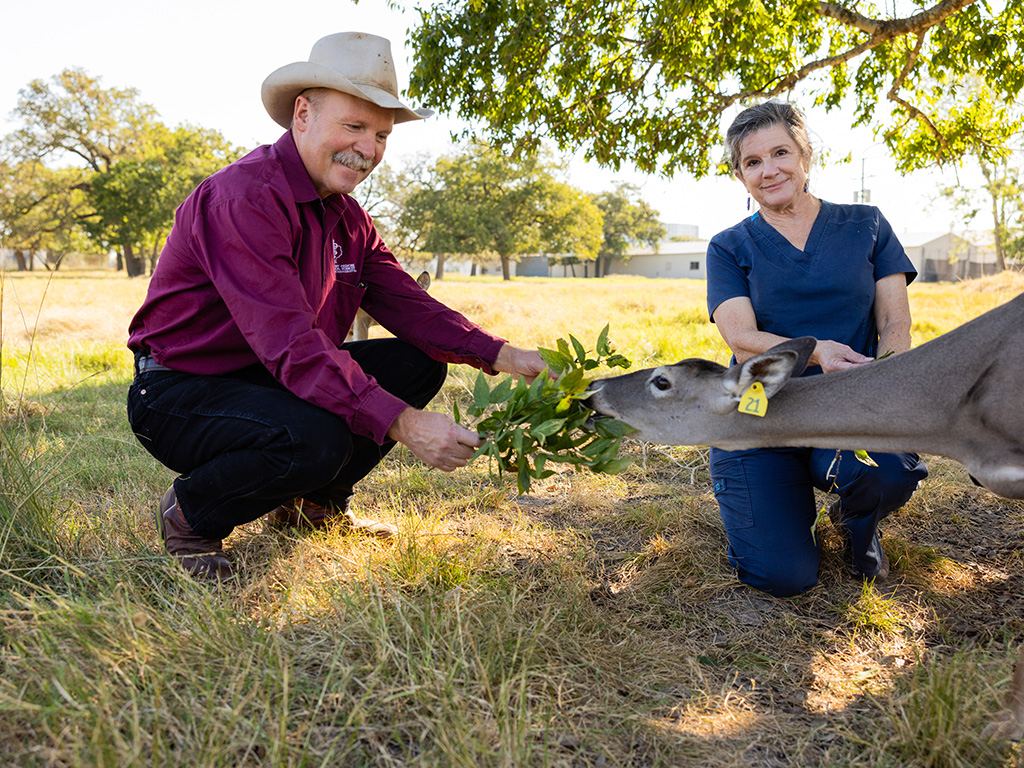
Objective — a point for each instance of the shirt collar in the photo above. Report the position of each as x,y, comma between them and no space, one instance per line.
295,172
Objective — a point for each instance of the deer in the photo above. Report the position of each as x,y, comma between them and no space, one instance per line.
360,330
954,396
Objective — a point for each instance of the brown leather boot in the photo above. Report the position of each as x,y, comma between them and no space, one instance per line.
201,558
306,515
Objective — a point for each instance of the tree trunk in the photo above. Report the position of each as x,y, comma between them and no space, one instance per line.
439,273
998,231
133,265
472,268
505,271
19,256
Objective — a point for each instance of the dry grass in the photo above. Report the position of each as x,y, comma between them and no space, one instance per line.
592,622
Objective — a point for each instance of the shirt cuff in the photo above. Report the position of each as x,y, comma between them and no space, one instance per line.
376,413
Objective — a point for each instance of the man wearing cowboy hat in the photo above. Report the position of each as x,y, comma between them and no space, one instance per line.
243,384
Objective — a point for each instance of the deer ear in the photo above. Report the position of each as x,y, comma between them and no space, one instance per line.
772,368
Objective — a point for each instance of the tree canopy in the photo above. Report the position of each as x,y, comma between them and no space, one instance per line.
648,81
628,220
479,201
96,162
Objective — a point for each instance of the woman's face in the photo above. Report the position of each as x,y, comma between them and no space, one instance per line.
771,168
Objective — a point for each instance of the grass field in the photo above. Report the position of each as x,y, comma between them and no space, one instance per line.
593,622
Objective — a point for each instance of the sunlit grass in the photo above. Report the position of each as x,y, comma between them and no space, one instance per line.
593,622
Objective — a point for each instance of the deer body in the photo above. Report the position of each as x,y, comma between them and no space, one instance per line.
957,396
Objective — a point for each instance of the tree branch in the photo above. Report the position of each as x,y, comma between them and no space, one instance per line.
893,94
880,31
911,25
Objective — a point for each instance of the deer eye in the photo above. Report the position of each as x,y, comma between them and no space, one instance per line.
661,383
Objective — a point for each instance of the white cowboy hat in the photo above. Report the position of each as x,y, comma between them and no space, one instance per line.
350,62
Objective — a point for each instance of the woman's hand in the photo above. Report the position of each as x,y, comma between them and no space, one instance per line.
833,356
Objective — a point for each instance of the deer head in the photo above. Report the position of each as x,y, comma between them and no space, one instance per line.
665,402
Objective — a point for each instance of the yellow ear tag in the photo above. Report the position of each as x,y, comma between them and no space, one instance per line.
754,400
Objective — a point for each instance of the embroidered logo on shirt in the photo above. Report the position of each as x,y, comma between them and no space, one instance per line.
340,268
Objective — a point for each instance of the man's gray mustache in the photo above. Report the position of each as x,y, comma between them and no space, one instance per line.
353,160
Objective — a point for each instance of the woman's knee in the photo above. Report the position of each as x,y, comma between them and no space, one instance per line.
886,487
780,577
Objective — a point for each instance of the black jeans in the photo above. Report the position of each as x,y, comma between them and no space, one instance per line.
243,444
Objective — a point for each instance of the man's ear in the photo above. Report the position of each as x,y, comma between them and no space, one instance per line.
302,113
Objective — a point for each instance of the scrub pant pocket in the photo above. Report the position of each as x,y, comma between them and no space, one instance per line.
766,501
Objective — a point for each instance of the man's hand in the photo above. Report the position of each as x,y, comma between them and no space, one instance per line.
833,356
434,438
519,362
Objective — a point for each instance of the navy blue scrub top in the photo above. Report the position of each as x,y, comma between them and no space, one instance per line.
826,290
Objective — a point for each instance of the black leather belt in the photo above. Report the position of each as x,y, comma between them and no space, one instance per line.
145,364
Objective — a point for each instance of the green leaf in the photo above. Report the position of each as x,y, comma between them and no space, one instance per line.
608,427
563,349
556,361
603,347
864,458
528,426
547,428
615,466
617,361
481,393
523,479
581,351
574,381
502,392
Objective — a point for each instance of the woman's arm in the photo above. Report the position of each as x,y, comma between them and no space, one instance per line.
892,313
738,325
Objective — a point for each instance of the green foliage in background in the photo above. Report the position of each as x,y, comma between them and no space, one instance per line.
529,425
650,82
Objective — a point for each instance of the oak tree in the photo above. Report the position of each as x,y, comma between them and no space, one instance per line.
480,201
648,81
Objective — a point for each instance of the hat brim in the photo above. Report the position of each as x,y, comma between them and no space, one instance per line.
283,85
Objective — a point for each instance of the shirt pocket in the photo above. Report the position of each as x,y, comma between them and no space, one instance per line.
339,311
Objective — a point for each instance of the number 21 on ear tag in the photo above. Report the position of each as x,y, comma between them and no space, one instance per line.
754,400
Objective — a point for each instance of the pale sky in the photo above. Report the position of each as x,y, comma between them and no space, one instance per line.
202,62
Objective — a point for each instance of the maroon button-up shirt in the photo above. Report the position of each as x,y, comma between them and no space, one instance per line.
259,269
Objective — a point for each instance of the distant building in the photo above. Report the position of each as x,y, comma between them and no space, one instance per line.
687,231
946,257
41,260
673,258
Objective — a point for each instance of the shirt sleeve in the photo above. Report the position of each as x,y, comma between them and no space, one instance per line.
726,277
889,256
395,300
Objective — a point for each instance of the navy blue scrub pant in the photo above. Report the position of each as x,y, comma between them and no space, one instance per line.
243,444
766,500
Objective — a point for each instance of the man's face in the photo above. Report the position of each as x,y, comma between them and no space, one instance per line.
340,138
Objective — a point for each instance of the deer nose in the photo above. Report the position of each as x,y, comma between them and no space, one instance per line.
661,383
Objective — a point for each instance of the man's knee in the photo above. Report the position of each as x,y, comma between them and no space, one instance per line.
318,451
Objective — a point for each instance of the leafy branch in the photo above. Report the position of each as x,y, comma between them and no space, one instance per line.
528,426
